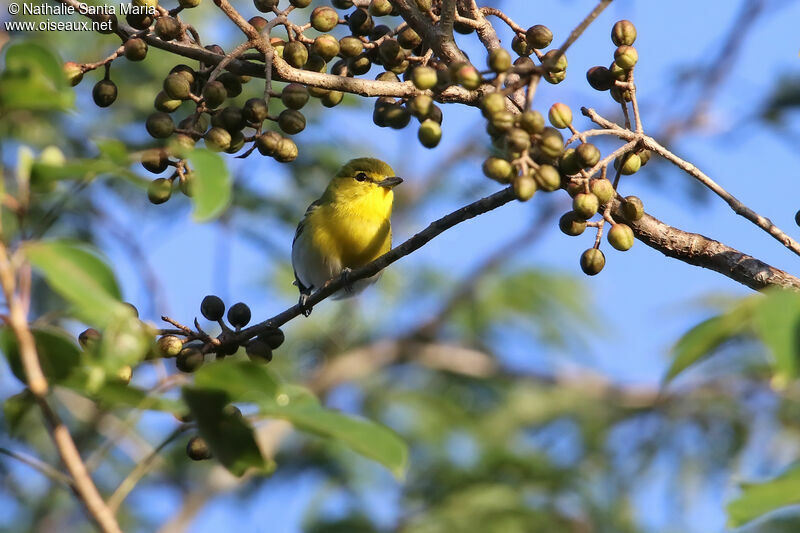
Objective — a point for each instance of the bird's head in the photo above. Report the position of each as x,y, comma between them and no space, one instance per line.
362,178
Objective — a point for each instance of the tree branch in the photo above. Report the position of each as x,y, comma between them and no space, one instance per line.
736,205
17,321
698,250
434,229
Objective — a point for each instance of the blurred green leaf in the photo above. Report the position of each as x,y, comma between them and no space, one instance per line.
212,184
26,56
246,381
15,408
33,80
57,351
702,340
758,499
81,169
227,433
776,320
81,277
115,151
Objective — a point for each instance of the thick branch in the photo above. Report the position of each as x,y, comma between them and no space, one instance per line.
698,250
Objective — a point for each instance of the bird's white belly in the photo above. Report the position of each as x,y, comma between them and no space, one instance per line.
313,269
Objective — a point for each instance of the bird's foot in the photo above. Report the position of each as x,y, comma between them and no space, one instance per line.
303,303
348,287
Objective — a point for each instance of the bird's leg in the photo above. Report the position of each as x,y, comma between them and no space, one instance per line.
348,287
303,303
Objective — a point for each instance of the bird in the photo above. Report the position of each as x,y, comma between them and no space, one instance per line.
347,227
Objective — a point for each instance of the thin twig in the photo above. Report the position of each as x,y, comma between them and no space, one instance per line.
40,466
140,470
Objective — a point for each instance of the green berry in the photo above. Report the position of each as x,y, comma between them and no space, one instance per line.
547,177
324,18
214,94
408,38
286,150
159,125
569,164
623,33
603,189
291,121
360,22
135,49
588,154
300,3
424,77
197,449
551,143
166,104
159,190
572,225
255,110
350,46
218,139
499,60
620,236
524,187
267,143
498,169
631,164
189,359
539,36
177,86
326,46
592,261
104,93
170,345
332,98
155,160
632,208
188,4
520,46
72,72
430,133
295,53
294,96
168,28
380,8
518,140
531,121
560,115
626,57
585,205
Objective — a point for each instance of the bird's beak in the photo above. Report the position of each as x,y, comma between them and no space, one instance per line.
390,182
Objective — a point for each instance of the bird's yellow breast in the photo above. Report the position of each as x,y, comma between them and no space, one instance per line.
356,230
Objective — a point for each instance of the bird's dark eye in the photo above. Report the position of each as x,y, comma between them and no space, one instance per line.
361,176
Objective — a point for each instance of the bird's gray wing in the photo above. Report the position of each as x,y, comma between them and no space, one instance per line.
300,227
314,205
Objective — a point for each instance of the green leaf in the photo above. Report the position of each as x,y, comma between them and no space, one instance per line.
58,354
776,320
700,342
227,433
125,341
758,499
81,169
81,277
27,56
15,408
245,381
115,151
212,184
33,80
